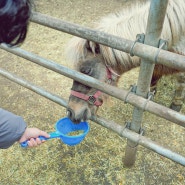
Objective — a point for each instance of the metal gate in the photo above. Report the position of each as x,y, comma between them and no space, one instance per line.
150,55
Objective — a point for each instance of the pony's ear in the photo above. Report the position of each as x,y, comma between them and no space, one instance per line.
92,47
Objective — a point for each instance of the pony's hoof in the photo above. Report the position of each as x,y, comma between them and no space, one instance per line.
175,107
153,89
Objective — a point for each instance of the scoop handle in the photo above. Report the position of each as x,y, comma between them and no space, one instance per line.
53,135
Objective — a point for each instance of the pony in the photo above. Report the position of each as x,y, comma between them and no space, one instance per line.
107,64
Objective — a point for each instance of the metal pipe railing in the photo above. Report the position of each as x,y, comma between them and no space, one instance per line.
121,130
33,87
144,51
141,50
121,94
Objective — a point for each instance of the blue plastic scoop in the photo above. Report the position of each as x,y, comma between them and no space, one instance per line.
64,128
52,136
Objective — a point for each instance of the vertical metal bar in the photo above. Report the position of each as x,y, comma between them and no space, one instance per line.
153,31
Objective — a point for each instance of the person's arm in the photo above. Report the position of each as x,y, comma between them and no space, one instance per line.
13,129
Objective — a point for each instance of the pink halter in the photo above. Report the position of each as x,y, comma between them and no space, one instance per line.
93,99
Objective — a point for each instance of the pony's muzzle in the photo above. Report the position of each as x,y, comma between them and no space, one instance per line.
70,113
77,118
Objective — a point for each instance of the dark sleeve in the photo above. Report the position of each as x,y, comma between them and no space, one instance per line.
12,128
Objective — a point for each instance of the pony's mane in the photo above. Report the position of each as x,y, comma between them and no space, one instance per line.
127,24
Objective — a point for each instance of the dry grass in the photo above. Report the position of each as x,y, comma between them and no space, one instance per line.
98,159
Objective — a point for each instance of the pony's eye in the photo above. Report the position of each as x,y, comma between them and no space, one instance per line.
86,70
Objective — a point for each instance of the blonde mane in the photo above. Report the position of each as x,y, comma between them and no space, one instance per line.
127,24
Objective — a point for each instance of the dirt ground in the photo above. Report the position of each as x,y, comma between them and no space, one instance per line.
98,159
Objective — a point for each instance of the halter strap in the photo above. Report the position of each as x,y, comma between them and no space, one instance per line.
93,99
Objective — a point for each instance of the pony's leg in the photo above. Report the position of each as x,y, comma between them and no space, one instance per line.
153,85
155,78
179,95
178,98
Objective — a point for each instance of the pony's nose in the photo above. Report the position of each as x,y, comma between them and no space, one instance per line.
77,117
71,116
70,113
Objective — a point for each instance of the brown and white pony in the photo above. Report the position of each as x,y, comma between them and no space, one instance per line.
107,64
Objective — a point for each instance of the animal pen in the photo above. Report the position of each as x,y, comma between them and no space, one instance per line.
150,51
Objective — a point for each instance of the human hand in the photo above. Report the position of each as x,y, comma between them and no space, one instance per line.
32,135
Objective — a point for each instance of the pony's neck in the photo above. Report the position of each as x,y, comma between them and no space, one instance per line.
119,62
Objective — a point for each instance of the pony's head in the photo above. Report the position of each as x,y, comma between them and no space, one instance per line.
84,100
101,62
